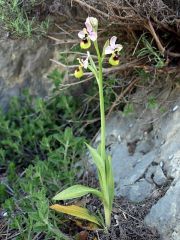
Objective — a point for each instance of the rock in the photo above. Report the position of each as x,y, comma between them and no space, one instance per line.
159,177
24,64
138,153
138,191
165,214
156,175
145,150
131,147
150,174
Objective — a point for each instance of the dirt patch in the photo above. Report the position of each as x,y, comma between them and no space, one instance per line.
127,218
127,222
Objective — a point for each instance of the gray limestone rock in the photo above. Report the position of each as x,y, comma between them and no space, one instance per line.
146,157
159,177
133,152
156,175
24,64
138,191
165,214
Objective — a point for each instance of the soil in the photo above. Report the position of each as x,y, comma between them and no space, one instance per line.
127,223
127,218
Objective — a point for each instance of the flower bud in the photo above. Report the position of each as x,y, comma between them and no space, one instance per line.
93,21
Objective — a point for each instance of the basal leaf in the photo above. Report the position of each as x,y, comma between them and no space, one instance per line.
99,149
96,158
76,211
110,179
75,192
100,164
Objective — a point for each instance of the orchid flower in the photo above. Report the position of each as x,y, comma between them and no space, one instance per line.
82,64
113,49
89,33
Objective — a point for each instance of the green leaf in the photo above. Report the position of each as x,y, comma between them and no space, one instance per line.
100,164
94,72
96,158
105,46
110,179
68,134
76,211
99,149
92,63
75,192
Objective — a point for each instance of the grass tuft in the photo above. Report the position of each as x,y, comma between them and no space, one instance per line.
19,21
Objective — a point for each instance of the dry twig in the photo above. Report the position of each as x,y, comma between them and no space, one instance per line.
126,90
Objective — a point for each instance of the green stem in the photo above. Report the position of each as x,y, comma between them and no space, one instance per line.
101,97
107,214
105,190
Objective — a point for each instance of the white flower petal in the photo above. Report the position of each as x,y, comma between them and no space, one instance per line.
93,21
81,34
93,36
113,41
109,50
85,63
88,27
119,47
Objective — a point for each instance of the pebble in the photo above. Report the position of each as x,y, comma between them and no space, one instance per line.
171,157
175,108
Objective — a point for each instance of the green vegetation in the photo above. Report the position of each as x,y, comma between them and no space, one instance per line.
40,141
152,103
128,109
38,150
154,56
19,19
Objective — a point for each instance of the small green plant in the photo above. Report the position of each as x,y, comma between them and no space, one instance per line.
101,159
153,54
16,19
152,103
128,109
38,150
28,209
143,75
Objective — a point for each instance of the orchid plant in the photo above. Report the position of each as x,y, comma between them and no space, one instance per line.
100,158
